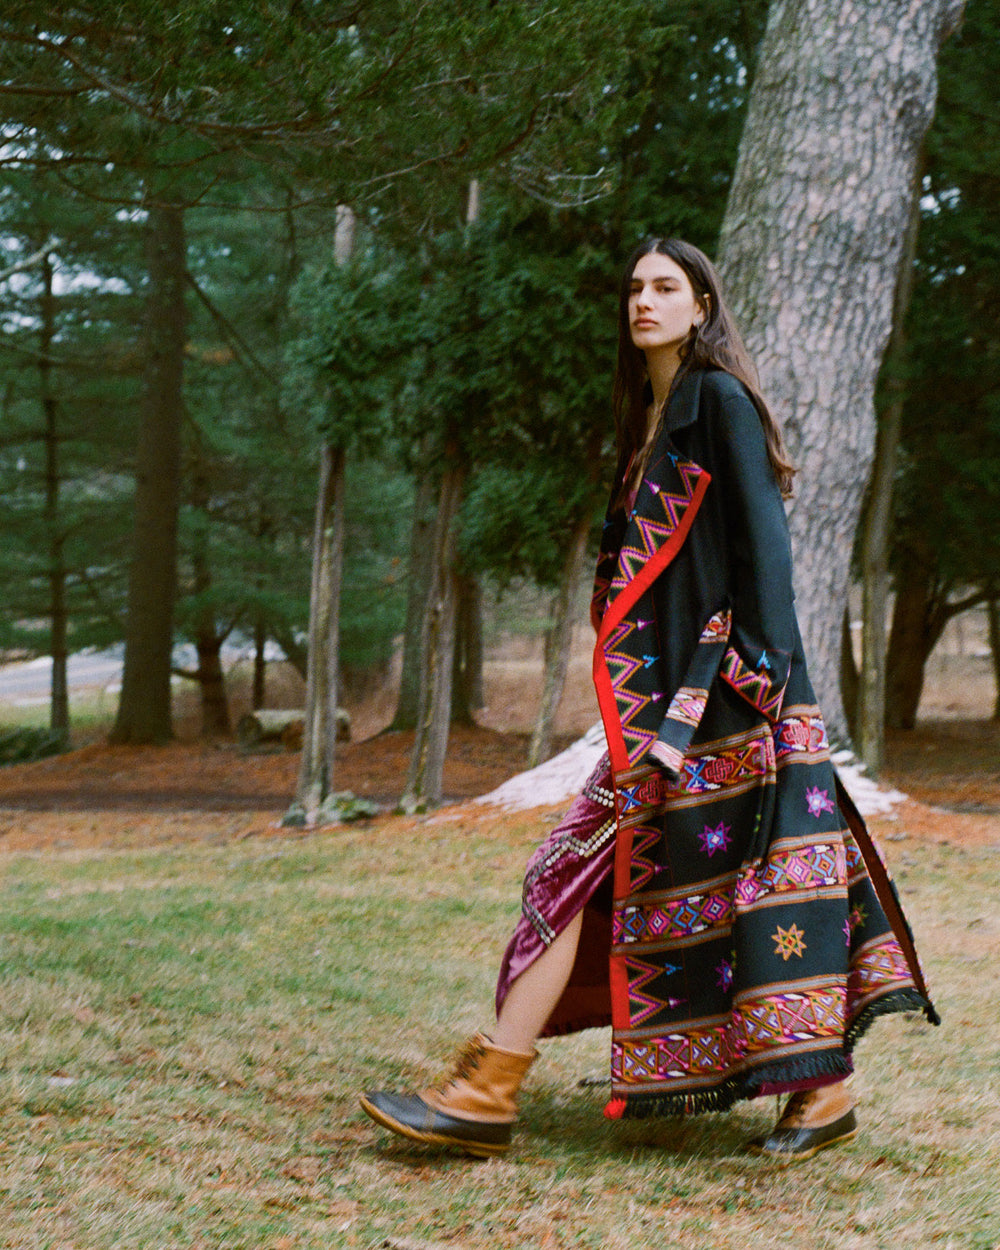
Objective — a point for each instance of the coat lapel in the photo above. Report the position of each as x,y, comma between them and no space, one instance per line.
669,497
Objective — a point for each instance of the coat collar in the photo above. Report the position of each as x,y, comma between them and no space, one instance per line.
682,408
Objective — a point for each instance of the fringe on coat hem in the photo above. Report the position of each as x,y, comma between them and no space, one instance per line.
721,1098
749,1084
908,999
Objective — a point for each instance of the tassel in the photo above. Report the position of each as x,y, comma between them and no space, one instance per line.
615,1109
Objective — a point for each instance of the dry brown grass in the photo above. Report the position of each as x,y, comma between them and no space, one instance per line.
184,1030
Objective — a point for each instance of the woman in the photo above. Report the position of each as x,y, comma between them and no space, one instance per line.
712,894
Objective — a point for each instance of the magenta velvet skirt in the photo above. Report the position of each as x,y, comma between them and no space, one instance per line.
571,870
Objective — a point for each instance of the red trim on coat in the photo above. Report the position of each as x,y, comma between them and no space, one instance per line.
613,615
617,609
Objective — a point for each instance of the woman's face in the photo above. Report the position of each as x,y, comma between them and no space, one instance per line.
662,306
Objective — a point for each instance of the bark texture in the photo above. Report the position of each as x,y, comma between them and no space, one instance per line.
425,779
318,749
144,708
876,520
916,627
467,663
315,781
810,247
418,578
58,614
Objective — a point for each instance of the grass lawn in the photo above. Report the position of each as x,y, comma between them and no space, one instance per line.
183,1032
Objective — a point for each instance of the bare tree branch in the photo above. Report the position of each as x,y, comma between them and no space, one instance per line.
29,262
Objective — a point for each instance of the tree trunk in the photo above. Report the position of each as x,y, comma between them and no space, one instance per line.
58,617
259,694
467,667
876,519
424,782
207,636
418,574
557,643
211,681
993,617
811,246
911,640
850,678
319,743
425,779
144,713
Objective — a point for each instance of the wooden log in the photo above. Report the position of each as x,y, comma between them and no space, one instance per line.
271,725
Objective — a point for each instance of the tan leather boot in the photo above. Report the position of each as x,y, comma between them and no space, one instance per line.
474,1108
812,1120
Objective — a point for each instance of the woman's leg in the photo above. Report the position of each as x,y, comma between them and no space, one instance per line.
475,1107
532,997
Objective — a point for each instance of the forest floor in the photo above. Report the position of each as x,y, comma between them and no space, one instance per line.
191,995
97,795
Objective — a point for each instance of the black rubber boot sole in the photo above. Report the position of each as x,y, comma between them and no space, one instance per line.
409,1116
792,1145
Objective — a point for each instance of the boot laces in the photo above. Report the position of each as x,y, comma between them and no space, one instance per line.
797,1108
466,1062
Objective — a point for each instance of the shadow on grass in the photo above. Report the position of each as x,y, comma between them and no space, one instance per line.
564,1128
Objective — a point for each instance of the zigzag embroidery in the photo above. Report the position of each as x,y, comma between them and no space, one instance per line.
756,688
643,869
654,533
648,1004
621,668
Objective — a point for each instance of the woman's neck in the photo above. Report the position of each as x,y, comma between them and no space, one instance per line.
661,367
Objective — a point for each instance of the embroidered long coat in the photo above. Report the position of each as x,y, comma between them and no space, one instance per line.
754,929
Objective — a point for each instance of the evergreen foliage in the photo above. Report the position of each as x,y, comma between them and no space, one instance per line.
948,497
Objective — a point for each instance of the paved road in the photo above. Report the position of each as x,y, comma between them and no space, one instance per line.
30,683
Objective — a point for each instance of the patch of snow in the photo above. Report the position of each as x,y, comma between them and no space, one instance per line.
561,778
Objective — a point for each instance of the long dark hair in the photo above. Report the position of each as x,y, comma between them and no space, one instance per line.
716,343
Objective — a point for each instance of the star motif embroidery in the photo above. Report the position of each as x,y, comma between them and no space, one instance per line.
713,840
724,975
764,662
788,942
818,801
